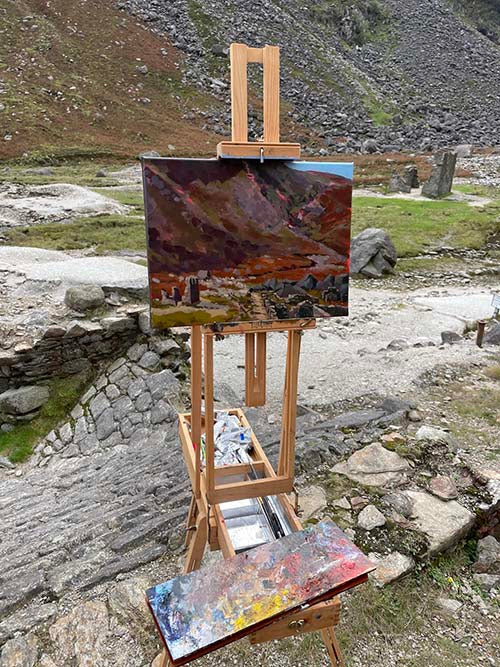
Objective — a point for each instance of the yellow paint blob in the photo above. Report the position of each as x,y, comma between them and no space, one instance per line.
257,608
240,623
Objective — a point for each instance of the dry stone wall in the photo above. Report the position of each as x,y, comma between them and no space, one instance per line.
63,350
80,345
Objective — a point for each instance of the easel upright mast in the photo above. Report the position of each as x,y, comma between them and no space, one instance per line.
270,147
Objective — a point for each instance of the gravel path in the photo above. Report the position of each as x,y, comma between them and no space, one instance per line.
346,358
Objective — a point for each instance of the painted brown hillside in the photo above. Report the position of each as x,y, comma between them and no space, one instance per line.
70,83
207,215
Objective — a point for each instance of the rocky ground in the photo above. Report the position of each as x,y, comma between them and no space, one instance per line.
397,441
399,86
97,513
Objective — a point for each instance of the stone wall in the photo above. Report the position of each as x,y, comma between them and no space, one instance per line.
64,350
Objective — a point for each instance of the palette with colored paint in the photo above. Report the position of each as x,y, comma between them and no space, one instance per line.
199,612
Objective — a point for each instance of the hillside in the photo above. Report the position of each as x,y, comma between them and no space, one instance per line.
72,82
130,75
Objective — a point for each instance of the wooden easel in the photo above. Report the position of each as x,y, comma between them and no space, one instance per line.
239,146
205,523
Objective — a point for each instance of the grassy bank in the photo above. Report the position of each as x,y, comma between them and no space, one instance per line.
418,226
64,393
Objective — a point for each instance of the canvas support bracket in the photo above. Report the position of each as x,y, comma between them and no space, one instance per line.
270,147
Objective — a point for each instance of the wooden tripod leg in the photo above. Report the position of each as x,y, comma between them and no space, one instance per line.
197,547
333,647
196,363
285,415
191,521
209,415
294,342
289,416
164,662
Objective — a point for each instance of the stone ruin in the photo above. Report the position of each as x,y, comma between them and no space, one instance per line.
404,182
441,180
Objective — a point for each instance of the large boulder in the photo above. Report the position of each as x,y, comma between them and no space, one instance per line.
441,180
373,253
492,335
24,400
84,297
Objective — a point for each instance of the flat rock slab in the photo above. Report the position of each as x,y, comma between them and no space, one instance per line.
29,205
374,466
312,501
464,307
103,271
13,256
444,523
86,637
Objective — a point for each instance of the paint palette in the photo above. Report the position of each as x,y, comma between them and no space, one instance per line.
199,612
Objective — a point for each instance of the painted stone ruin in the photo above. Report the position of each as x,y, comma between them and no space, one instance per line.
236,241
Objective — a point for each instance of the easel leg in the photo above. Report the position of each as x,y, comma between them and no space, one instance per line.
165,662
191,521
333,647
288,426
197,546
196,364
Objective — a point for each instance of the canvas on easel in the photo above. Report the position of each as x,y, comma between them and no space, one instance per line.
237,240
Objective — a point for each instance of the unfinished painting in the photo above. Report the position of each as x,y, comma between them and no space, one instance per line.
239,241
201,611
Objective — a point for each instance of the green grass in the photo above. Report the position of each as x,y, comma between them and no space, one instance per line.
408,605
493,372
64,392
430,264
414,226
132,198
78,173
417,226
481,404
478,190
107,233
380,113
